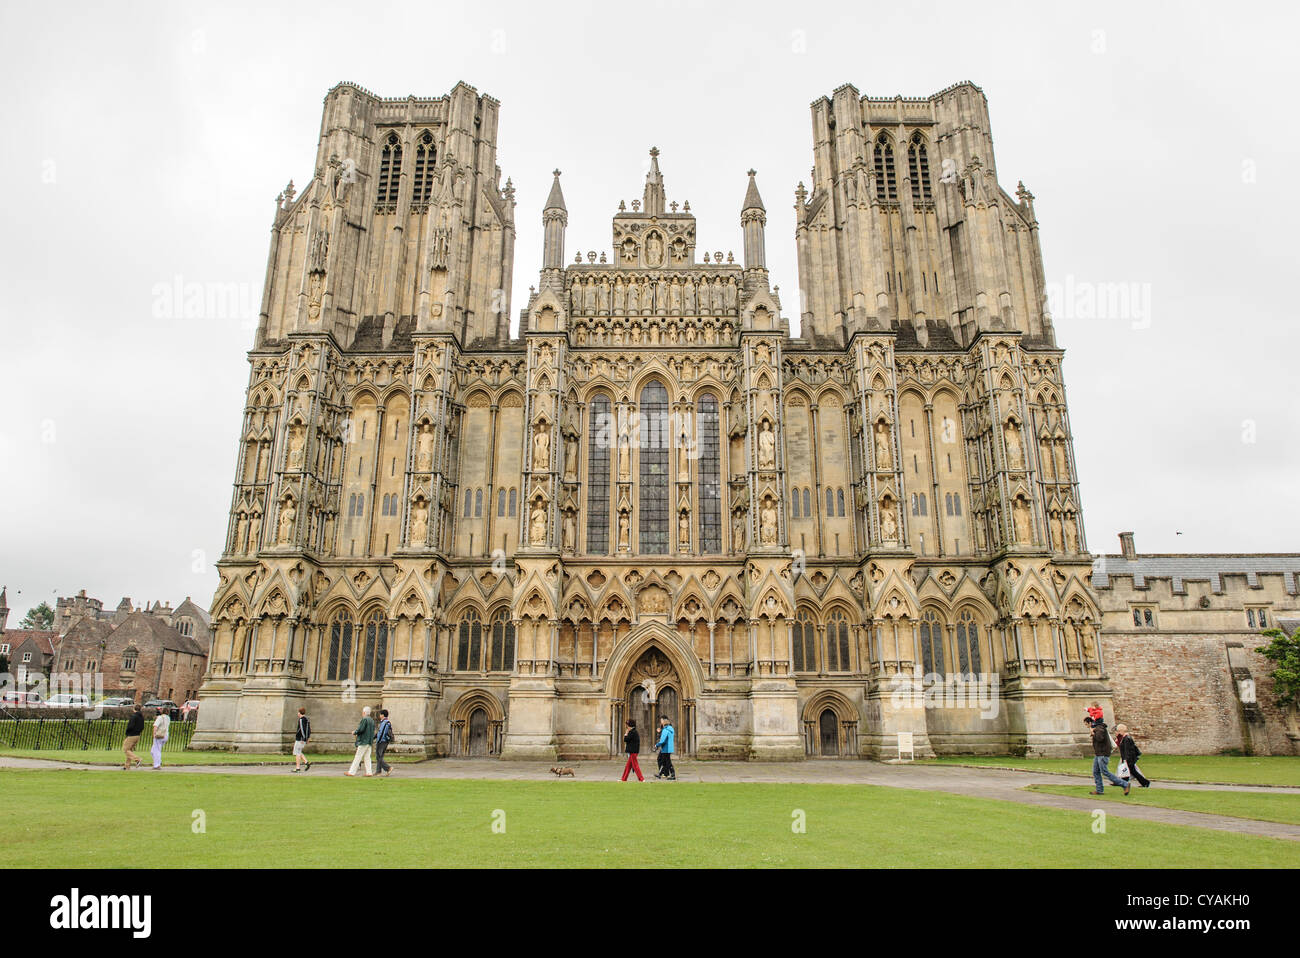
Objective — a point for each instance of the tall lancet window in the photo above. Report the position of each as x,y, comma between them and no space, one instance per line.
886,180
390,174
709,476
654,441
918,168
601,435
422,187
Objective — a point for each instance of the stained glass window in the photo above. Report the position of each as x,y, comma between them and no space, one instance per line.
654,442
598,477
710,477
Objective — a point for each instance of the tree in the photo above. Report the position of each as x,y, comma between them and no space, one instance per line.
41,618
1285,651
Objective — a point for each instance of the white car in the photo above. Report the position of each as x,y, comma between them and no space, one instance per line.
66,701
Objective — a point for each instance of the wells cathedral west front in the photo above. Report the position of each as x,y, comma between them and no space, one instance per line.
654,500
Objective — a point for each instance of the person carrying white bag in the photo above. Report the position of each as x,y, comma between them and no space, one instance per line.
1128,755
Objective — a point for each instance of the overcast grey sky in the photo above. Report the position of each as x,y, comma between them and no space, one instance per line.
144,145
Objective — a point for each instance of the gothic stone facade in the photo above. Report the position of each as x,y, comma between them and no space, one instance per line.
655,500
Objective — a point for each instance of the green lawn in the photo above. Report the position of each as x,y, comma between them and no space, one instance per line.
87,818
1216,769
98,756
1262,807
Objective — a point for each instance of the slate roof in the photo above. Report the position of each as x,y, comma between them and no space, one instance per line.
137,625
1181,568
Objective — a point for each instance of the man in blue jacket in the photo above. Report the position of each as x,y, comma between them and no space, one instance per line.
665,749
383,736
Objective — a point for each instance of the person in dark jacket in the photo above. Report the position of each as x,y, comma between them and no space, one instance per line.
365,739
1129,754
382,737
134,729
1101,750
665,748
301,736
632,745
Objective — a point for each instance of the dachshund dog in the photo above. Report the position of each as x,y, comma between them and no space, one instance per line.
561,771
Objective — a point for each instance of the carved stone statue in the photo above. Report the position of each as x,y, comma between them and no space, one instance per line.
624,458
570,460
287,513
537,525
767,447
888,521
541,447
254,532
1071,533
767,522
738,530
624,532
419,523
883,459
296,439
570,530
1015,454
424,448
1020,519
684,531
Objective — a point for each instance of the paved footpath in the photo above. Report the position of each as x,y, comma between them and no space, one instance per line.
1004,784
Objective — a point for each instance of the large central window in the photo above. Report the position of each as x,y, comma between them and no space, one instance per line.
654,436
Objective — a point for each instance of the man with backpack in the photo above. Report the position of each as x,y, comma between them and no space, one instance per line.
1102,747
383,738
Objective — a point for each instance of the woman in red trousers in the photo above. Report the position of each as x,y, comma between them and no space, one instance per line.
632,745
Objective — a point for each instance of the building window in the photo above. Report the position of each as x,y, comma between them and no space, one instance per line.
597,477
1144,617
918,165
839,501
390,175
919,505
503,643
422,188
501,502
805,643
931,645
710,477
374,653
469,647
128,660
514,500
886,182
27,656
830,503
654,469
1257,618
469,502
478,503
807,502
968,644
837,642
794,504
338,665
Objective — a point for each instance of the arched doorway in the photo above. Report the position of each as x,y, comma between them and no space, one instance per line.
652,691
829,727
478,733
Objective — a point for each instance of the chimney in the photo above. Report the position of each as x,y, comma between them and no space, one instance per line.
1126,545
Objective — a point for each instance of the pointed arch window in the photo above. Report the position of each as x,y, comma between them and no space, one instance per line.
374,648
830,503
501,503
918,168
931,645
654,442
807,502
338,664
794,504
968,644
503,643
837,642
886,179
390,175
839,499
805,642
469,644
469,502
422,187
710,477
597,477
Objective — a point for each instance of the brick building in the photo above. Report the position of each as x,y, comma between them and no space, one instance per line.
142,657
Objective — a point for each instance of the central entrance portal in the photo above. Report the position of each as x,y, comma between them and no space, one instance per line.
653,691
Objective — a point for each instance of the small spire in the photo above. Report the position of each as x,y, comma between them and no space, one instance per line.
555,201
654,185
752,200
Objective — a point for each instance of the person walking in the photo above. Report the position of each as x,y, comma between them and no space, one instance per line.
382,738
1101,751
632,745
301,736
134,729
1129,754
365,740
161,730
665,749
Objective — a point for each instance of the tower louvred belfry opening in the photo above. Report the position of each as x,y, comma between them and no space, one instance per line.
654,499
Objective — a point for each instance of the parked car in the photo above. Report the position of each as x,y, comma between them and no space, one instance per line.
65,700
160,704
189,709
115,701
21,698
